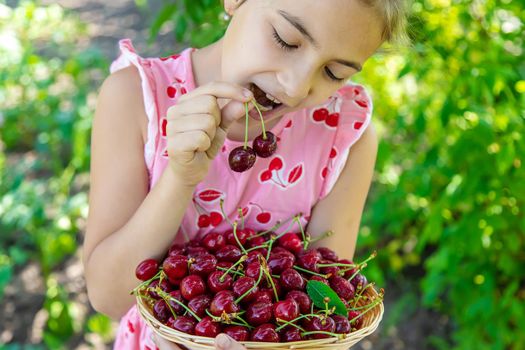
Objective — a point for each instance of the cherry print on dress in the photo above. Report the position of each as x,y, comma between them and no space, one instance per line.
326,169
207,217
323,116
264,216
131,328
275,174
172,90
173,57
163,125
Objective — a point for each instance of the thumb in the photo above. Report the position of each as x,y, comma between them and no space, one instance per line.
230,113
224,342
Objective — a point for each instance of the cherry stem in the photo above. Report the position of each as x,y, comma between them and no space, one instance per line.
165,295
243,258
363,264
322,332
145,283
337,264
252,288
237,238
269,277
286,323
318,238
360,293
310,272
221,202
243,322
242,217
234,272
254,102
298,220
257,247
246,130
370,307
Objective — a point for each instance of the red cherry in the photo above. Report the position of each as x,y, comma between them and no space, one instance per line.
229,253
264,148
265,333
327,253
207,328
171,91
302,299
204,221
199,304
279,262
264,217
320,114
214,241
323,324
333,119
175,266
177,308
342,287
203,265
241,159
215,218
292,280
182,324
342,326
292,242
192,286
357,323
242,236
238,333
265,176
258,313
359,279
224,301
275,164
286,310
216,282
161,311
146,269
243,285
290,334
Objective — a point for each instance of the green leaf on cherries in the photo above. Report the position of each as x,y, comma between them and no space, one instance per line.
318,291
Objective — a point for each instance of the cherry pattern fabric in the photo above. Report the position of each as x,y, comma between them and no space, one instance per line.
313,146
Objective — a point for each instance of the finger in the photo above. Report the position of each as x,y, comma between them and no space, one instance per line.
224,342
200,105
216,143
163,344
204,122
183,146
234,111
219,89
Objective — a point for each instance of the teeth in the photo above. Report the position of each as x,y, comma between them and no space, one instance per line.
273,99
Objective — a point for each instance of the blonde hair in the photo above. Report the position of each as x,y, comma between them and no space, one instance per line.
394,14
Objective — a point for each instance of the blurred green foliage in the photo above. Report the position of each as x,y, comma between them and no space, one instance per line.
47,99
446,208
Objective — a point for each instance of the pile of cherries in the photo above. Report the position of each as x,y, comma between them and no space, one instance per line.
243,157
252,286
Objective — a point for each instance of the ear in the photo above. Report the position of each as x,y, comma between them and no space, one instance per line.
230,6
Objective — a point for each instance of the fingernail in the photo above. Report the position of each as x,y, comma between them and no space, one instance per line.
247,93
223,341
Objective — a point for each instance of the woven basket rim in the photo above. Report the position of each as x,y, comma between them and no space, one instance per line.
350,338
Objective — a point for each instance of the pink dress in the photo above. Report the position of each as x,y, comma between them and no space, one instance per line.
313,146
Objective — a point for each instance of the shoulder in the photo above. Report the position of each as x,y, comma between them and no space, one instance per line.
121,93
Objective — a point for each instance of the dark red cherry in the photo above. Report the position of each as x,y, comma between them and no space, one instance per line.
224,301
265,147
309,261
177,308
342,325
203,265
199,304
182,324
218,281
242,236
265,333
265,295
258,313
214,241
279,262
252,270
238,333
289,334
253,257
146,269
224,264
194,252
322,324
359,279
320,279
165,286
192,286
243,285
292,242
342,287
161,311
357,323
207,328
229,253
177,249
286,310
302,299
242,159
175,266
350,272
292,280
327,253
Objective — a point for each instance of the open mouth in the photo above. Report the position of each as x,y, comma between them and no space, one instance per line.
265,104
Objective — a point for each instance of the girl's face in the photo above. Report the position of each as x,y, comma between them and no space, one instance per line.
295,49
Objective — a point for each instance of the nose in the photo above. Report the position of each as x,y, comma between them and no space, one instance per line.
297,84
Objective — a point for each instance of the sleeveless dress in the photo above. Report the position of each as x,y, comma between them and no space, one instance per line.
313,145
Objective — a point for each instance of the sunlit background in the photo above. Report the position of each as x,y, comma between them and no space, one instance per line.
446,209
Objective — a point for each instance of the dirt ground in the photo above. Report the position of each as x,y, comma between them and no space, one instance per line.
21,316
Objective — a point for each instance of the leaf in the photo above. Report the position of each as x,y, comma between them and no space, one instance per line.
318,291
209,195
295,174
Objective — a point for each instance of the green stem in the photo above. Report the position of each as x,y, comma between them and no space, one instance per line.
243,258
251,289
221,203
286,323
166,295
246,130
235,235
370,307
234,272
310,272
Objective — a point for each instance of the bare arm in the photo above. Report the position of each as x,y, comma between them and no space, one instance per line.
122,214
342,208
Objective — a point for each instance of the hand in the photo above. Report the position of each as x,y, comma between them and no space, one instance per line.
196,128
222,342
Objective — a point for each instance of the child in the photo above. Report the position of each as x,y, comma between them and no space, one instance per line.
164,128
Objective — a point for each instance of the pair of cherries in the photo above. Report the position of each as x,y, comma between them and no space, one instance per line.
243,157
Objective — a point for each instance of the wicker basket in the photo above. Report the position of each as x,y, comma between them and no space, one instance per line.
371,320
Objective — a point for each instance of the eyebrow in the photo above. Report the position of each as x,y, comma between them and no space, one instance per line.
297,23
